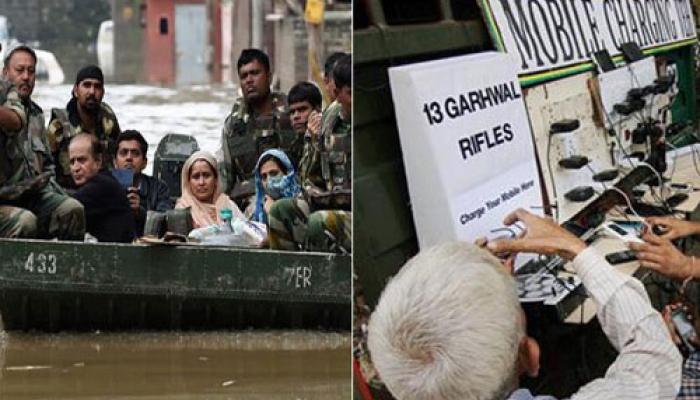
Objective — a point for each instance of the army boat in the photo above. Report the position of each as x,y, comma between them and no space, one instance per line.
54,286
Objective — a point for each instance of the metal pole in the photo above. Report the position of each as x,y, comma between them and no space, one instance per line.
257,24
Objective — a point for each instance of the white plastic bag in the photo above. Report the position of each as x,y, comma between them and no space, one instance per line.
245,234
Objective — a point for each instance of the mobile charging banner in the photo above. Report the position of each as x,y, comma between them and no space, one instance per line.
546,35
466,144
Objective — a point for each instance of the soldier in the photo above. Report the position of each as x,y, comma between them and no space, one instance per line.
322,220
304,100
84,113
258,121
37,206
327,75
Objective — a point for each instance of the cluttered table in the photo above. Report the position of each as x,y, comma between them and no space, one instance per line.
574,348
683,181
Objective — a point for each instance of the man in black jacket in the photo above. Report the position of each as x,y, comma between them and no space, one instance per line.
108,216
146,192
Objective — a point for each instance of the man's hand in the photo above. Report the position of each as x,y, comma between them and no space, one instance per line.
667,314
541,235
313,125
662,256
674,228
507,260
134,200
267,205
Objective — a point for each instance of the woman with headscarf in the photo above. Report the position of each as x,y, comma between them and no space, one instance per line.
201,190
275,178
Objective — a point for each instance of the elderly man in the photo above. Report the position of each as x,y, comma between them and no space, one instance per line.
449,324
259,121
84,113
109,217
43,210
147,193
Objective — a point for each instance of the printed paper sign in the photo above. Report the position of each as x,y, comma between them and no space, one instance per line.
466,144
552,34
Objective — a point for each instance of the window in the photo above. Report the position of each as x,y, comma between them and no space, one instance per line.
163,24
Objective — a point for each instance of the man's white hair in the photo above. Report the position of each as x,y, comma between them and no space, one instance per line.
448,326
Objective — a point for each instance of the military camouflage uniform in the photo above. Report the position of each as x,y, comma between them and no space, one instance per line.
44,211
65,123
246,136
321,220
9,98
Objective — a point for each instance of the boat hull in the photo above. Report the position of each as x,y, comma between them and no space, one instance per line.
52,286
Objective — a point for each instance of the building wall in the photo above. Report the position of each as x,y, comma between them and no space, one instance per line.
215,40
159,47
226,40
159,54
129,23
241,32
337,36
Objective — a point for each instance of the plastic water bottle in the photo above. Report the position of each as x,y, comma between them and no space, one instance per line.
226,215
200,234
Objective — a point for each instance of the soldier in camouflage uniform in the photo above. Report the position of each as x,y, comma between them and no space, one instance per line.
259,121
33,204
84,113
328,84
322,219
304,100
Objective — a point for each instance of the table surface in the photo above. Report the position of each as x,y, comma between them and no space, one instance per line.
685,172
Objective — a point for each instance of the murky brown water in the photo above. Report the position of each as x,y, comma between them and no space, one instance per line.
221,365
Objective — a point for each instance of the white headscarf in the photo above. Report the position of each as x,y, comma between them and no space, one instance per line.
204,214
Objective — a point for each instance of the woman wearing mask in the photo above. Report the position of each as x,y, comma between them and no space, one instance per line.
275,178
201,190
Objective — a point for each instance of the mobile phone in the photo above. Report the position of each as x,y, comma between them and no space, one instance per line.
500,234
621,257
685,329
620,232
125,177
603,61
629,225
681,186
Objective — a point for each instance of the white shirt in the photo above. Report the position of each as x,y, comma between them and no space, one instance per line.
649,364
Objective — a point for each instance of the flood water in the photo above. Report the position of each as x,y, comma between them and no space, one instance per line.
198,111
220,365
217,365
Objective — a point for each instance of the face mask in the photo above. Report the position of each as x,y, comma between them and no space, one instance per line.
275,186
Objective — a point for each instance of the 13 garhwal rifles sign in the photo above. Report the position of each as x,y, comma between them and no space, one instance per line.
553,36
466,144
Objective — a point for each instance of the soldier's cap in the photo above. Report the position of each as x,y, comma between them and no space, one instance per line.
90,72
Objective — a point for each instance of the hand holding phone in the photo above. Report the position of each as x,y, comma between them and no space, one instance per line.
132,194
313,125
684,328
